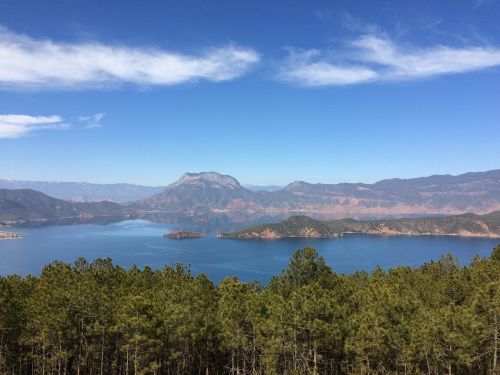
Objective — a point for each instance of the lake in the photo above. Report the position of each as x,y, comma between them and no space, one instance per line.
140,242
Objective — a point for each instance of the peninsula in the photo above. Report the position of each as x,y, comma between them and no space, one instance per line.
466,225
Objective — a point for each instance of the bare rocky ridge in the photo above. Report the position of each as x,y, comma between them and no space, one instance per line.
203,191
444,194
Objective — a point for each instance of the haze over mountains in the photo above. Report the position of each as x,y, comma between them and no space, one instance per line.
263,187
84,191
477,192
90,192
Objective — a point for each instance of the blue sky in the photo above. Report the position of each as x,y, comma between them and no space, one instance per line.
269,92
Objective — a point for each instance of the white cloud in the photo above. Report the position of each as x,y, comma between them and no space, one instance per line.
16,126
307,68
31,63
93,121
403,64
374,58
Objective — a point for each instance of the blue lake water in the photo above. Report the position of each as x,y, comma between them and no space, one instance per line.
141,243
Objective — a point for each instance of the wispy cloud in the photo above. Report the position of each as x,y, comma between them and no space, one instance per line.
322,14
310,69
93,121
349,22
31,63
480,3
16,126
373,58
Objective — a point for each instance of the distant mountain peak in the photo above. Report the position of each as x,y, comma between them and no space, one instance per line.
296,185
207,178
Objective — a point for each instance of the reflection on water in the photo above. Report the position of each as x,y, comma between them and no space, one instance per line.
210,222
200,221
70,221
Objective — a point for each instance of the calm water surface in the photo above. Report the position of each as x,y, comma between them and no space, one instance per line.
140,242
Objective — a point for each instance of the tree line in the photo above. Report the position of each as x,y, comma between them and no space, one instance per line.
99,318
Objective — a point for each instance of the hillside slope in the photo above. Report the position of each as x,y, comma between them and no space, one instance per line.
25,204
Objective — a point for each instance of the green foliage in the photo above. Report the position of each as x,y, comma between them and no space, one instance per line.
304,267
294,226
495,254
98,318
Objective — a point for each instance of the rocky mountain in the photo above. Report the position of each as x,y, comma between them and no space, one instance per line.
85,192
468,225
203,191
442,194
23,205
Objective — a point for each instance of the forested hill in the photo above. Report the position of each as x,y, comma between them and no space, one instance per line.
469,225
98,318
25,204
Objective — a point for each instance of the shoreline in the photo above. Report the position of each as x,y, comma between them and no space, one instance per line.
469,235
182,235
9,236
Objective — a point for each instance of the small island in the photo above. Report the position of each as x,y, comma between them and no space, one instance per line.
9,235
179,235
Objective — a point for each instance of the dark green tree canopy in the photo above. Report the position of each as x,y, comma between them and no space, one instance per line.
306,266
98,318
495,254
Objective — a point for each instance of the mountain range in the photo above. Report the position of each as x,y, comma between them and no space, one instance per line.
477,192
84,191
214,193
91,192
